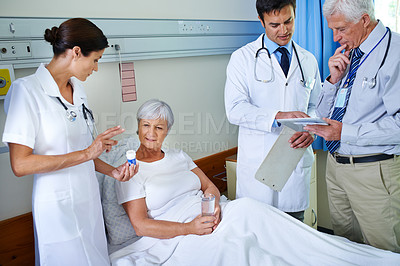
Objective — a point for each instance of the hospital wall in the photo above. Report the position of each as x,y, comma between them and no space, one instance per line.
193,86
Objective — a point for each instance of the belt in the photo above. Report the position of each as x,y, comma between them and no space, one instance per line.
365,159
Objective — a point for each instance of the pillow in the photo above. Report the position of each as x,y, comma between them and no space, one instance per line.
118,226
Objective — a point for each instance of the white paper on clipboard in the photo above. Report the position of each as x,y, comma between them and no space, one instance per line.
280,162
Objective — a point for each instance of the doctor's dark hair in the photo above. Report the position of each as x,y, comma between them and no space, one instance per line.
76,32
156,109
268,6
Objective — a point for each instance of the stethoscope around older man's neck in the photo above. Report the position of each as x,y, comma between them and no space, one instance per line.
302,81
371,84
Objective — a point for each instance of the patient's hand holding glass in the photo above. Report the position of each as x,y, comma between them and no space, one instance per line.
207,204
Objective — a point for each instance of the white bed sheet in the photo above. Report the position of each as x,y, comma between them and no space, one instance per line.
250,233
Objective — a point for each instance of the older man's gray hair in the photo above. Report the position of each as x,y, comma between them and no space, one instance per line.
351,9
156,109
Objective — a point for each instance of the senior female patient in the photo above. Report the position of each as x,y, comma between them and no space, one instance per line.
163,204
49,133
155,119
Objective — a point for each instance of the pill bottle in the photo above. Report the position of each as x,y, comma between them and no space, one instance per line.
131,157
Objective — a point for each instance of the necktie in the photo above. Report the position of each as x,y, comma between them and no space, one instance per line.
284,59
338,112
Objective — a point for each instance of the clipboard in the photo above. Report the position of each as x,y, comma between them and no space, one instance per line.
280,162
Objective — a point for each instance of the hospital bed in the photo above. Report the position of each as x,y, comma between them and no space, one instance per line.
295,243
16,235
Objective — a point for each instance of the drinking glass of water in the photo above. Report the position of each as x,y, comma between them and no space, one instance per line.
207,204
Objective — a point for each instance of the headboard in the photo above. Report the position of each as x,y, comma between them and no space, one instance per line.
214,167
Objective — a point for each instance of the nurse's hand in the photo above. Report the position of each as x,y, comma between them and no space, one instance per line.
301,140
103,142
288,115
338,64
125,172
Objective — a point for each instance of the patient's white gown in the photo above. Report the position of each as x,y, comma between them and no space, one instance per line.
250,233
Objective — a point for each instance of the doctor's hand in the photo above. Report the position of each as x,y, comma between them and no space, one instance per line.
125,172
333,131
338,63
288,115
301,140
103,142
201,225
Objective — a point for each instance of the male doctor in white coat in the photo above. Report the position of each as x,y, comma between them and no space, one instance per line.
261,89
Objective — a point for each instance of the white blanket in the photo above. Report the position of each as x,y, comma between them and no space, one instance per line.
250,233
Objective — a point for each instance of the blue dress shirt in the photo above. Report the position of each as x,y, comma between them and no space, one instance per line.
272,46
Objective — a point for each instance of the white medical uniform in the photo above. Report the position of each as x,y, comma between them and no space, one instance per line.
253,105
66,203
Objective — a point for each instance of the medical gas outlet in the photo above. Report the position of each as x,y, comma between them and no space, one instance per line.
6,77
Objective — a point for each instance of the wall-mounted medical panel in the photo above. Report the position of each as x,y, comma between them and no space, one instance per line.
22,44
6,78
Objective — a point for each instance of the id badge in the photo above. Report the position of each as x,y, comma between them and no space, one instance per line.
341,98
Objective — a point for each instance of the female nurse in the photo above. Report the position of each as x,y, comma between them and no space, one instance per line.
48,136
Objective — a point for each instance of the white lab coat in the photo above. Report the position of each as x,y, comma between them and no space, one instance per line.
253,105
66,203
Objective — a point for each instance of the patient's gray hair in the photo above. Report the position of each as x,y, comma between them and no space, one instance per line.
156,109
351,9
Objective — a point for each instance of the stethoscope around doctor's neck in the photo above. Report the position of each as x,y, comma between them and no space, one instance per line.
87,113
302,81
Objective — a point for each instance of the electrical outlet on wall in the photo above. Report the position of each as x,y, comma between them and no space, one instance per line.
12,50
193,27
6,78
115,46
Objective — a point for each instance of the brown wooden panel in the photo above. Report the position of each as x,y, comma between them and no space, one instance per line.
16,241
214,167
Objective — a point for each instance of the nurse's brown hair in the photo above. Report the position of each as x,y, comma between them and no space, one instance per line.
76,32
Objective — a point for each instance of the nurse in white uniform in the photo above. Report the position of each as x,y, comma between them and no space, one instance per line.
48,136
258,91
